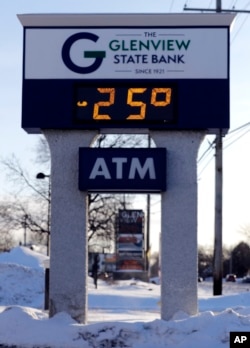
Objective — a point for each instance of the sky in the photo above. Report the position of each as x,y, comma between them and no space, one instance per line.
121,314
236,187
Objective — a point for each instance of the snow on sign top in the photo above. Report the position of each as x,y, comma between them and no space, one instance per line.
160,48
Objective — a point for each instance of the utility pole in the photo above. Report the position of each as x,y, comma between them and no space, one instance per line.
218,266
25,230
217,9
147,258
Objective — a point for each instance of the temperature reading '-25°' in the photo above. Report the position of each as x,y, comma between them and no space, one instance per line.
124,104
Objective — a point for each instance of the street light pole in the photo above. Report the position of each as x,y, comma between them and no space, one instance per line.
43,176
25,230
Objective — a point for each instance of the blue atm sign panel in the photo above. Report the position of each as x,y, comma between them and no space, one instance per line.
122,170
126,76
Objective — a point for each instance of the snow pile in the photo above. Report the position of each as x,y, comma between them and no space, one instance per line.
30,328
125,314
25,286
23,256
22,278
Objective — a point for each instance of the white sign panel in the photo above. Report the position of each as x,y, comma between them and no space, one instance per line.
124,53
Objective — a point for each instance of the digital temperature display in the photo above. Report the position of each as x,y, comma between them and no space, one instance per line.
133,103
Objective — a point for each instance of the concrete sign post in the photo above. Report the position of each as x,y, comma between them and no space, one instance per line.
69,248
160,74
179,223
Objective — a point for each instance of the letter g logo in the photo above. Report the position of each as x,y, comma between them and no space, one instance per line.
98,55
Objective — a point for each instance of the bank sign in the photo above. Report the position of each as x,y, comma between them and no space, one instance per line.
126,53
92,76
122,170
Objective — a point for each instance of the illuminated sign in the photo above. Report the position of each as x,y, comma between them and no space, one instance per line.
126,52
96,71
129,102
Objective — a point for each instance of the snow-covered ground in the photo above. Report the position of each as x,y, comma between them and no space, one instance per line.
124,314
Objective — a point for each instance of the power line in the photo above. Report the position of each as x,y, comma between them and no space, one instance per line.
210,148
210,3
225,147
218,9
240,127
233,3
205,166
171,5
239,29
206,151
230,133
234,133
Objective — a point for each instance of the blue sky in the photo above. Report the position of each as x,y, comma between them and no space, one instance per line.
236,156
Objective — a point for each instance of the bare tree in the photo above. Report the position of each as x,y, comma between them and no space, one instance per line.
26,204
121,140
245,231
6,237
239,259
102,214
27,207
104,207
205,261
42,152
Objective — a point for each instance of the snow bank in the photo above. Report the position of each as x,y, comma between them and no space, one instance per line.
123,314
23,256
